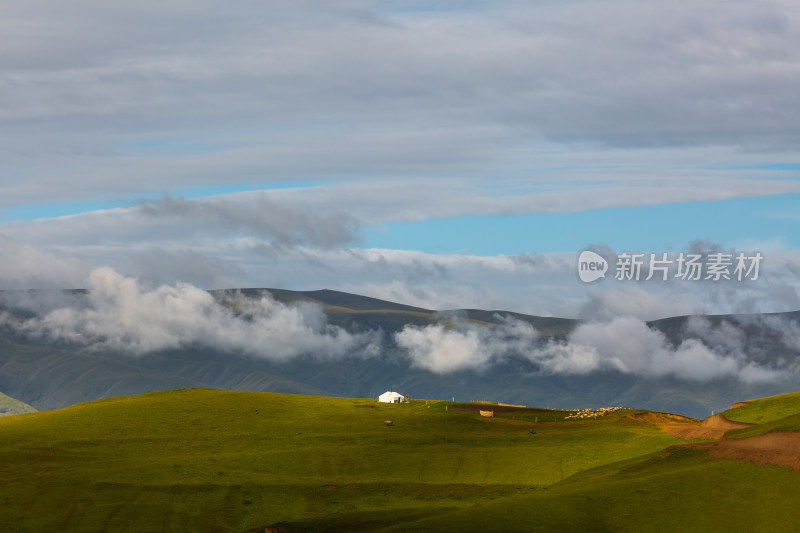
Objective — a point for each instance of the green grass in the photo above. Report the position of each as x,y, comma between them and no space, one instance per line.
13,406
766,410
679,490
213,460
789,423
203,460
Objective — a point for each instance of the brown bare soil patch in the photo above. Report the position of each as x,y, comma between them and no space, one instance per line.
713,427
739,404
776,448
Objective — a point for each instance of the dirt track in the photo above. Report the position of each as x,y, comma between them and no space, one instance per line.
713,427
776,448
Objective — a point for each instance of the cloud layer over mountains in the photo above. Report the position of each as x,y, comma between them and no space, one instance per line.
298,131
122,315
624,344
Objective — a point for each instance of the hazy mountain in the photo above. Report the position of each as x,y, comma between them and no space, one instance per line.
49,373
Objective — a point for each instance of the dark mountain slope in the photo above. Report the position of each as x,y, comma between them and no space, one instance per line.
49,375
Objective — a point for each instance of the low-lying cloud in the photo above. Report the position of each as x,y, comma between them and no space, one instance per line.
444,348
630,346
121,315
24,266
623,344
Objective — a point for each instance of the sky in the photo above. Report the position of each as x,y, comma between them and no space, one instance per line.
452,154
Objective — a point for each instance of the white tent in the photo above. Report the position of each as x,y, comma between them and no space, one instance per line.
391,397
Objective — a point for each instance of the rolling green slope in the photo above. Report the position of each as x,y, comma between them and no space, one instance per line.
787,423
765,410
9,405
775,413
679,489
210,460
728,485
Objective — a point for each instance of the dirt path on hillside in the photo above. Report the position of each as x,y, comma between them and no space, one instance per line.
780,448
713,427
776,448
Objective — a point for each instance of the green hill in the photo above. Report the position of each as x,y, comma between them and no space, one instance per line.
679,489
9,405
765,410
775,413
211,460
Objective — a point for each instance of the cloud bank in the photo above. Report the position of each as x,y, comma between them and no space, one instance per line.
121,315
623,344
23,266
444,348
164,96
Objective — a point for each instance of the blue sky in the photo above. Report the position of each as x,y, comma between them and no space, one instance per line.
771,221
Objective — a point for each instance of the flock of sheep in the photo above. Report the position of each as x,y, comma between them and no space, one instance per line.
593,413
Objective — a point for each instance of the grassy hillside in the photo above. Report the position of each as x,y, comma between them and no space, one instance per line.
787,423
677,490
728,485
765,410
210,460
9,405
775,413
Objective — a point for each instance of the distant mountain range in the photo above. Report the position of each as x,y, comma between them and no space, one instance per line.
49,374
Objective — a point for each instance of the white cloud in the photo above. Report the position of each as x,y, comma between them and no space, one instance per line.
460,345
152,97
637,302
630,346
538,284
121,315
623,344
23,266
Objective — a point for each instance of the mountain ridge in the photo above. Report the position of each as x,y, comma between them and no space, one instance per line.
50,374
